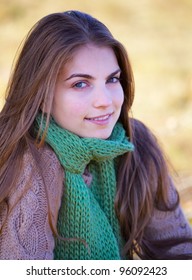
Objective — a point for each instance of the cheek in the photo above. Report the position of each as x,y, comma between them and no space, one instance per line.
119,98
75,107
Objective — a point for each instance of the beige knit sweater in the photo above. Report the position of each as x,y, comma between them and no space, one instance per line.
26,233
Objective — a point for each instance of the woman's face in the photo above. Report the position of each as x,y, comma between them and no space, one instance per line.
88,95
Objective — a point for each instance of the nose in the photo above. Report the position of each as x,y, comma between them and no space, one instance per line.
102,97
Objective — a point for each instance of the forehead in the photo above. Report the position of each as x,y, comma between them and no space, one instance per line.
91,58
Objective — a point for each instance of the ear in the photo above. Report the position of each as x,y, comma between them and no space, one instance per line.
45,107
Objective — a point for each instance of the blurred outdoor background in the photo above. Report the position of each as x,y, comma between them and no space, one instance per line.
158,37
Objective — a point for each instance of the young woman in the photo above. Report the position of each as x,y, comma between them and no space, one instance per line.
79,178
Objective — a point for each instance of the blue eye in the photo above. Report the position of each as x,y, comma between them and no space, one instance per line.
80,85
113,80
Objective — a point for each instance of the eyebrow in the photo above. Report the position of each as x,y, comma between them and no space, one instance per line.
87,76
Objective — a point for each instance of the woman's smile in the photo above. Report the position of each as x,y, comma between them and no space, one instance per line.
100,120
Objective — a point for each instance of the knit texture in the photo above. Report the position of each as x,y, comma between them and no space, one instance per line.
87,215
30,213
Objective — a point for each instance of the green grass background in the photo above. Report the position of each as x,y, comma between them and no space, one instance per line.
158,37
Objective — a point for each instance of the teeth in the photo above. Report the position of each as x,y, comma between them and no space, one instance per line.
100,118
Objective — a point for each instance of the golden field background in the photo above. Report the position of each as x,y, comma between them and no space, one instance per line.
158,37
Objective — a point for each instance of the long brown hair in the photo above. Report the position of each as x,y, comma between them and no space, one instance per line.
142,179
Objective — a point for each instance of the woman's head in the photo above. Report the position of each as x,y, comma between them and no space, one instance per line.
88,96
49,46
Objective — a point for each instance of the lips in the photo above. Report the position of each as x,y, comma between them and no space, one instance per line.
100,120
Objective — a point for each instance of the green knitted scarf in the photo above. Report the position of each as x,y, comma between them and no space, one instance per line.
87,215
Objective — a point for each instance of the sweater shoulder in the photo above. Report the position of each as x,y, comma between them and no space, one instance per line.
26,232
40,167
171,224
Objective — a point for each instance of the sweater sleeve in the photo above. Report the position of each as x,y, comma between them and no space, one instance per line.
26,232
171,225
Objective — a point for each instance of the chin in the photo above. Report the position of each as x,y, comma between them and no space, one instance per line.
103,135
